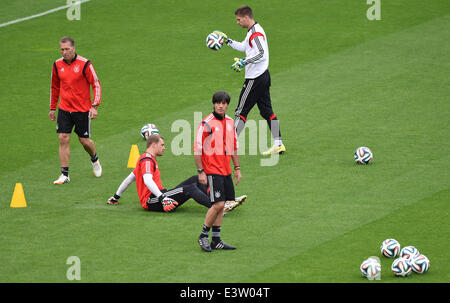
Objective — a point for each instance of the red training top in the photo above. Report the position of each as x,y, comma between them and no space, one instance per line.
72,81
216,140
146,164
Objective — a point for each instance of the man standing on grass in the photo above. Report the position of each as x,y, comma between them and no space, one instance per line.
256,89
215,144
72,78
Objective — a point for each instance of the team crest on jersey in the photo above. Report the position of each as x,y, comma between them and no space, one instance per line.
76,68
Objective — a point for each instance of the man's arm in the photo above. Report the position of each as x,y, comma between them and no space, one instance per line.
202,174
151,185
198,150
122,188
54,92
168,203
92,78
239,46
237,168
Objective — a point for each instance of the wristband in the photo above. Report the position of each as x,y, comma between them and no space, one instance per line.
200,170
161,197
237,168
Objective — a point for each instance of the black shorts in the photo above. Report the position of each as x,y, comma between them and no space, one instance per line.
66,121
221,188
255,91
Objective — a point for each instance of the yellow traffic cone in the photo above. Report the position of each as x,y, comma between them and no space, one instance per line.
18,198
134,156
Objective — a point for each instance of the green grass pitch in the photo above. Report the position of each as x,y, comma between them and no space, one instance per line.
339,81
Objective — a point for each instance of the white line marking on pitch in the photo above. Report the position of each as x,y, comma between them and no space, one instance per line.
43,13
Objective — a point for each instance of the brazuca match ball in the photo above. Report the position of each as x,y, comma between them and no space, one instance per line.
420,264
390,248
148,129
370,268
409,252
214,41
363,155
401,267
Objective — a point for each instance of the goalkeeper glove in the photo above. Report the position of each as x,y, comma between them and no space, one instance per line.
238,64
168,204
114,200
226,40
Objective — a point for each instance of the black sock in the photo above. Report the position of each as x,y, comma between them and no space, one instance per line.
94,158
216,234
65,171
205,231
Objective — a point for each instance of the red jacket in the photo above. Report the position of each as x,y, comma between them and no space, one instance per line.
72,82
216,141
146,164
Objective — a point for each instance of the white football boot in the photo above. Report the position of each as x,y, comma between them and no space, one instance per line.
97,168
231,205
62,179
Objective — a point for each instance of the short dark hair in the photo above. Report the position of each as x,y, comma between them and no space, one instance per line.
153,139
220,96
67,39
244,11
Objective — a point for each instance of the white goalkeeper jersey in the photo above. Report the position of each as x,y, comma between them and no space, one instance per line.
256,50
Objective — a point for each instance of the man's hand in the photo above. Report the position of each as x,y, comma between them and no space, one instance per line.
238,64
51,115
237,176
202,178
93,113
224,36
168,204
113,201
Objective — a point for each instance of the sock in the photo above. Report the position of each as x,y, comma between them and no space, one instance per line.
94,158
205,231
117,197
274,126
216,234
65,171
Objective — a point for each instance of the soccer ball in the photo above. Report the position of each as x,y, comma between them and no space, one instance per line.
420,264
390,248
363,155
401,267
409,252
214,41
148,129
370,268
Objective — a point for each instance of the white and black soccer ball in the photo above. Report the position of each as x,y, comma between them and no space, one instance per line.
409,252
420,264
401,267
148,129
363,155
214,41
390,248
370,268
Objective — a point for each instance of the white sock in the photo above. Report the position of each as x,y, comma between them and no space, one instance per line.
278,142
